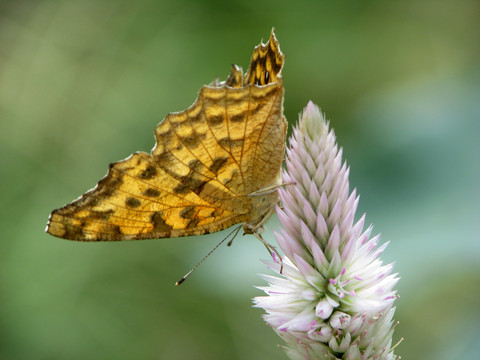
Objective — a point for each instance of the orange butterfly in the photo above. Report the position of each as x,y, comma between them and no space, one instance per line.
214,165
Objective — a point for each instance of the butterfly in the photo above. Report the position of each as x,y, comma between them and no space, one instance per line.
214,165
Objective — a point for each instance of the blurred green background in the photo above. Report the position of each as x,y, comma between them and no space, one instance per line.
84,83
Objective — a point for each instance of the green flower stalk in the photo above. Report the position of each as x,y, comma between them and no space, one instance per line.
333,297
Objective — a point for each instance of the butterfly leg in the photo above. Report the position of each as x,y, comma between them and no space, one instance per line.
257,229
269,190
272,251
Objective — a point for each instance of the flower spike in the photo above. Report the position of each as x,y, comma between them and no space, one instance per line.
335,297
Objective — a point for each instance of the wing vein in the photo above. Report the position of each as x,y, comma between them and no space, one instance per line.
210,179
229,153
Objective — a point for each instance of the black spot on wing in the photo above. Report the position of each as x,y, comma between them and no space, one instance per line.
193,223
132,202
215,120
151,192
217,164
188,212
159,223
148,173
193,140
238,117
256,109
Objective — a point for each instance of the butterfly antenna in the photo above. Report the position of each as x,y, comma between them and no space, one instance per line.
234,231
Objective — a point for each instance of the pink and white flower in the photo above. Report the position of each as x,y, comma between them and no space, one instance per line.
334,298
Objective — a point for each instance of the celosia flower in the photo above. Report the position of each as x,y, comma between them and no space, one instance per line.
334,297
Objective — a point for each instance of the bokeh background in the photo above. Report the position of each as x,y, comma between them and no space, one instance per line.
84,83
